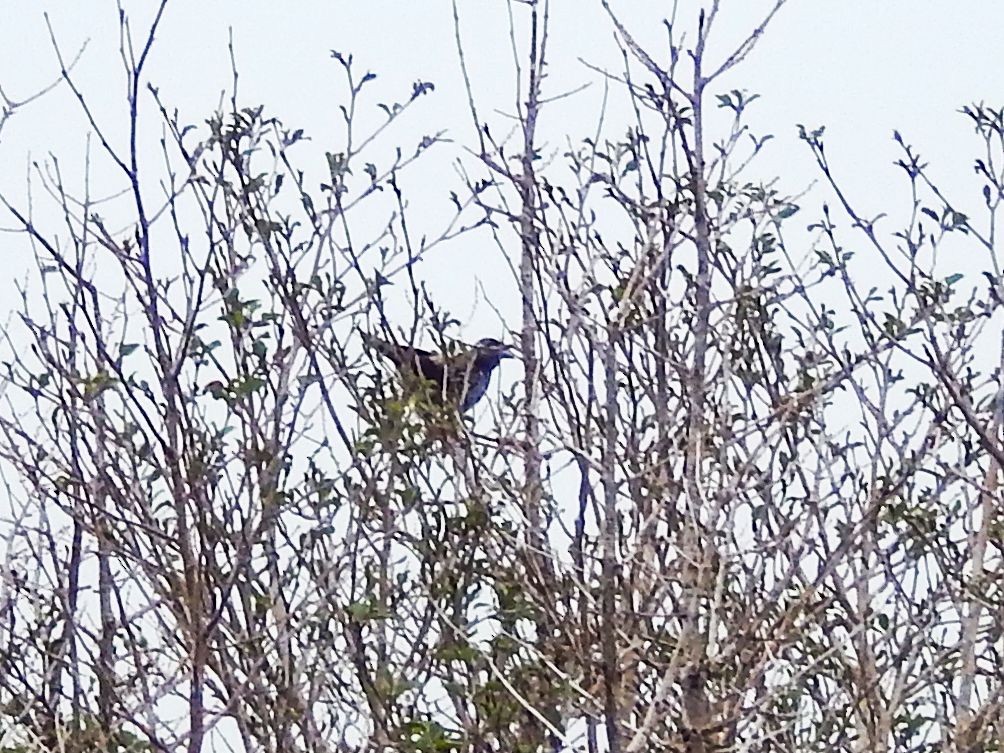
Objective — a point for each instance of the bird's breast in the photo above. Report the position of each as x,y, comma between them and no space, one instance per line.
477,385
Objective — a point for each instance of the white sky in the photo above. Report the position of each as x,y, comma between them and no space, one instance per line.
860,67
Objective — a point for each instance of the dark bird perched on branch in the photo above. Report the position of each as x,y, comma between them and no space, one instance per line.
459,379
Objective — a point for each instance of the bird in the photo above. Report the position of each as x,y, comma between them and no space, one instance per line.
460,379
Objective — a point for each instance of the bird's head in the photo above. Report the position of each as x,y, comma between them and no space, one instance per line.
491,351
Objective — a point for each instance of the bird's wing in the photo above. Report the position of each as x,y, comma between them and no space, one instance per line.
397,353
422,362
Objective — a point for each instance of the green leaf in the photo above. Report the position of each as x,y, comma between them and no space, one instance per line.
249,385
457,652
952,279
362,611
97,384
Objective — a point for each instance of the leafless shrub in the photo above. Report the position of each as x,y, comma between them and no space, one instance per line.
745,496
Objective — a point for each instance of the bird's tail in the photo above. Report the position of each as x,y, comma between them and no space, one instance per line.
383,347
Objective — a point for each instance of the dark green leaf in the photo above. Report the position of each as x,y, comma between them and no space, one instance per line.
248,385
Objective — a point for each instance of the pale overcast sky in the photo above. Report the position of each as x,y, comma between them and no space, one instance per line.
860,67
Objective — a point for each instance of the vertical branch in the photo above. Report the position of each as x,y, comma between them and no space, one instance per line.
106,641
529,240
695,701
965,735
611,668
702,292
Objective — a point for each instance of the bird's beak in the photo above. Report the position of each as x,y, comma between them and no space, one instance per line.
507,353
